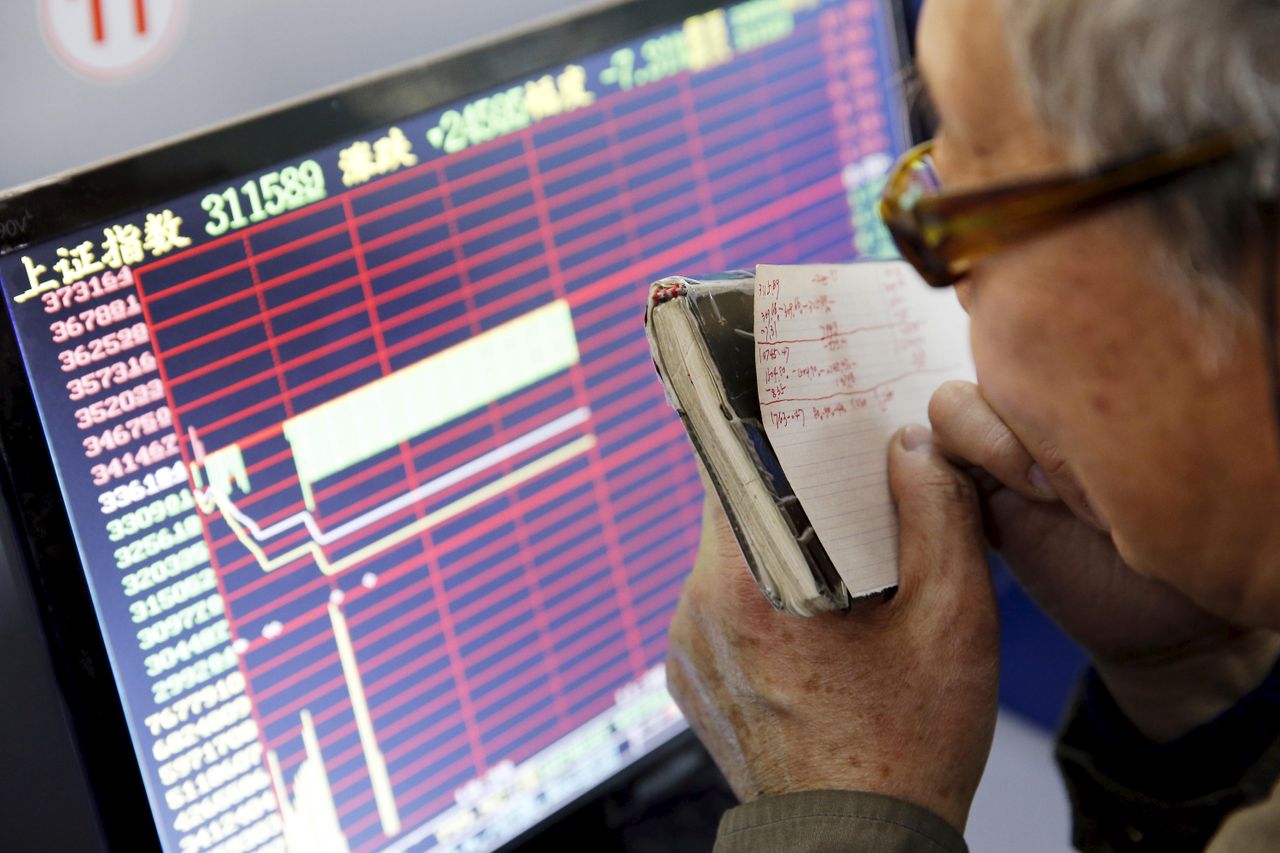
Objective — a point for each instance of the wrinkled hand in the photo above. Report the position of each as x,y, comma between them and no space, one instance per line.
896,697
1169,664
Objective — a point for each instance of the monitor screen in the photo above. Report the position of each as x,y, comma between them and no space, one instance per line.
380,505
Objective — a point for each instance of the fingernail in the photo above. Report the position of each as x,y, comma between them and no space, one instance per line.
1039,481
916,437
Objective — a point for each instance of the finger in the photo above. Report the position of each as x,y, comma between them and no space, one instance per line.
1081,582
967,430
1065,484
940,530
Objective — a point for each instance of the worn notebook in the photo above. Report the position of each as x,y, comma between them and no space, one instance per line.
791,383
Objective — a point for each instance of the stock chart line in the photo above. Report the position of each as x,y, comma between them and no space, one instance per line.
445,387
310,816
472,499
216,498
373,757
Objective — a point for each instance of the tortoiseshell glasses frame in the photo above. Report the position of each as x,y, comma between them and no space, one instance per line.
944,234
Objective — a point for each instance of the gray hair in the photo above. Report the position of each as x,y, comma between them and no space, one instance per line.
1112,78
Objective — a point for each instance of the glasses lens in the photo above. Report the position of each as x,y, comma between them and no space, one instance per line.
918,179
914,179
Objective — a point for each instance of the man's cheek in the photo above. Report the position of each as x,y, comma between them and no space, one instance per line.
1017,396
1015,370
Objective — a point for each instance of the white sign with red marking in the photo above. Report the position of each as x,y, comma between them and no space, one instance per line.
110,39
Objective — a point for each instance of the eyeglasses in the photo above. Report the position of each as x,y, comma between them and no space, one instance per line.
944,234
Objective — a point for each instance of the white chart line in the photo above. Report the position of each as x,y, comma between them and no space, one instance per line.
457,475
379,778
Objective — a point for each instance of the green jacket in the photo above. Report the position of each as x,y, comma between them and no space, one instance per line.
844,821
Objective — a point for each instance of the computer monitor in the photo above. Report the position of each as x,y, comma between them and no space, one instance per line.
335,443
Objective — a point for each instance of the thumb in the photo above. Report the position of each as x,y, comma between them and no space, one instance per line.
939,522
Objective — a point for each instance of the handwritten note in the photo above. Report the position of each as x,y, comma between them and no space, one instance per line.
845,356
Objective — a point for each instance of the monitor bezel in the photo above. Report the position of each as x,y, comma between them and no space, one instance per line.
65,203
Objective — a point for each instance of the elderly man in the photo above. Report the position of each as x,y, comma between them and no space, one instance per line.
1101,194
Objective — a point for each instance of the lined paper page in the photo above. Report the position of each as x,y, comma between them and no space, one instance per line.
845,356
